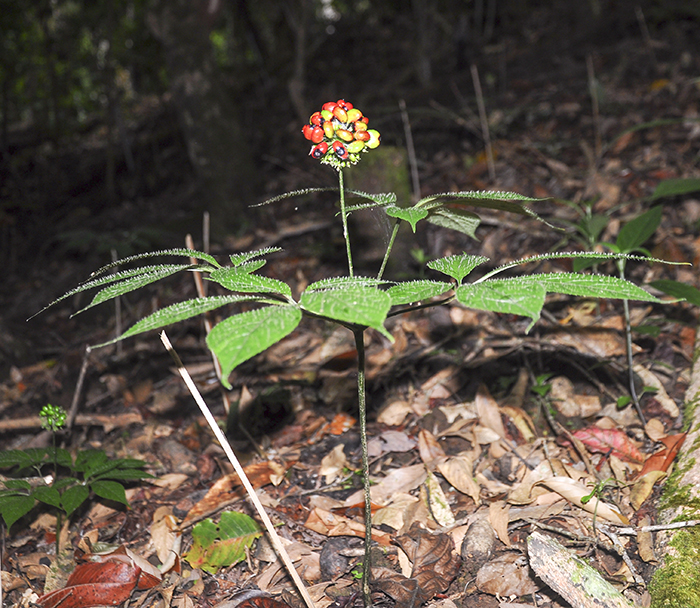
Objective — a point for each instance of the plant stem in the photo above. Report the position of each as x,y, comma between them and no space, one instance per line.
344,216
362,403
628,348
394,232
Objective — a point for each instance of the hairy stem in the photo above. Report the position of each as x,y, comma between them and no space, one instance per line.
394,232
362,402
344,216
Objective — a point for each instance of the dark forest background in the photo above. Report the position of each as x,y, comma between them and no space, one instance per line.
122,120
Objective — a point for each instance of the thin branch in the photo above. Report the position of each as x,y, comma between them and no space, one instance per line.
484,123
218,433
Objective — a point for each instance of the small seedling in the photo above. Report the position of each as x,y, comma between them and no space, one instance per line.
71,481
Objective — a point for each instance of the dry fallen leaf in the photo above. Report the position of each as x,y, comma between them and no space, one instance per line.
506,575
457,470
333,464
435,565
574,491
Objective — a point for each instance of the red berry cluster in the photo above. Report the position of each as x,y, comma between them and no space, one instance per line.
339,133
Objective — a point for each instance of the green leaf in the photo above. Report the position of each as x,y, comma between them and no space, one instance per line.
239,258
215,547
111,278
179,312
455,219
678,290
416,291
73,497
503,201
15,507
293,193
365,306
19,458
341,282
587,286
235,280
412,215
506,296
88,461
133,283
110,490
187,253
457,266
574,255
676,187
17,484
48,495
244,335
637,231
125,474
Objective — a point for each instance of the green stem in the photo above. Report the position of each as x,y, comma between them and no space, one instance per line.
394,232
362,402
344,216
628,348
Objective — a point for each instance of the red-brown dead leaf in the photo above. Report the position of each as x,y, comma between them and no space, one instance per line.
95,584
341,423
661,460
603,441
435,565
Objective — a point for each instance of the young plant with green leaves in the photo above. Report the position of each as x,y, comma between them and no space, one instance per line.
71,481
262,311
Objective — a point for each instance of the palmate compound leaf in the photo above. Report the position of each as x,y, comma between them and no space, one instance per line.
416,291
247,334
506,296
457,266
225,544
358,305
179,312
236,279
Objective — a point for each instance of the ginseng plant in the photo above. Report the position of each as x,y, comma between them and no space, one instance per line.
265,311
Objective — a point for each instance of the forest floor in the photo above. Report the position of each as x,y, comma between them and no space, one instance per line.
471,418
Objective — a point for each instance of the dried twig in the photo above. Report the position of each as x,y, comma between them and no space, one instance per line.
218,433
484,123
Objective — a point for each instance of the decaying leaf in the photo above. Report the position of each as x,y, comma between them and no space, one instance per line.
106,580
333,464
574,491
458,472
613,441
439,507
435,565
508,574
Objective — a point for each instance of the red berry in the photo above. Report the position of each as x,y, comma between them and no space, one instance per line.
340,150
362,136
319,150
316,135
316,119
346,105
307,131
329,107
